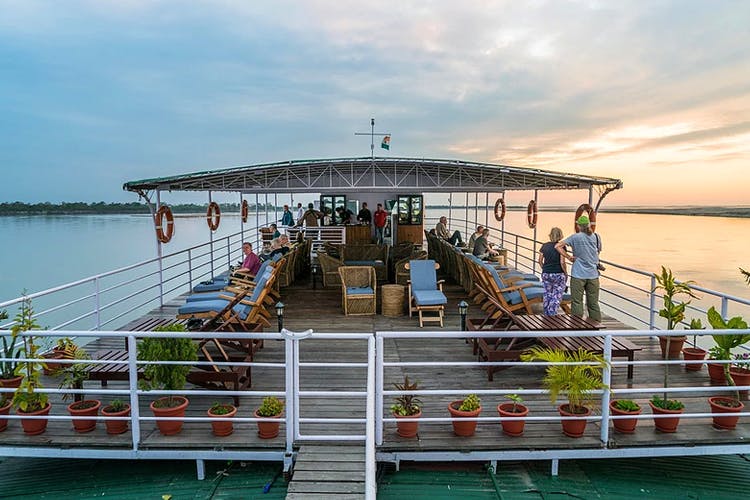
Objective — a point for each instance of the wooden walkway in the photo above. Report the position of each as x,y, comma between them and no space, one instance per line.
321,311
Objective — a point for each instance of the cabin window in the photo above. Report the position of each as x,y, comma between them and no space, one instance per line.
410,210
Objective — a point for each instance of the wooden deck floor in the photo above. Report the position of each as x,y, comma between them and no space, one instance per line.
321,311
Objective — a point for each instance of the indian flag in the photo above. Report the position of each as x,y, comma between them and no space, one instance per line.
386,144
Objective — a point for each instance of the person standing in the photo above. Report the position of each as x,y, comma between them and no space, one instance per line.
554,273
381,218
442,231
309,217
364,216
300,213
287,219
584,273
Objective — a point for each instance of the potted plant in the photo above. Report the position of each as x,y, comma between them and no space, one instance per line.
462,409
673,312
116,409
578,381
74,376
740,372
625,407
407,406
26,398
272,407
694,353
222,426
513,413
716,370
167,377
8,377
5,405
663,406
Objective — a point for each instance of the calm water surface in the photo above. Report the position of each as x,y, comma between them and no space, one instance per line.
42,252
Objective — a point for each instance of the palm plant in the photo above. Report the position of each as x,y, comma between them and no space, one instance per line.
406,405
577,381
725,343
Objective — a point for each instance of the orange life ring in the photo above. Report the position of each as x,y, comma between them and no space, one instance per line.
500,205
585,207
532,214
245,209
213,216
164,232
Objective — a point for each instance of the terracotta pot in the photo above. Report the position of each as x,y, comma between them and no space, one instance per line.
675,345
514,426
170,427
11,383
32,427
573,428
728,423
50,367
716,373
624,425
84,425
267,430
463,427
667,425
740,376
222,427
693,354
116,426
407,429
4,410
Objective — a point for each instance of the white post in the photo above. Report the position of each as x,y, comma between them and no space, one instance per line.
159,252
606,393
211,237
242,223
533,246
291,416
98,304
370,465
135,420
379,375
652,305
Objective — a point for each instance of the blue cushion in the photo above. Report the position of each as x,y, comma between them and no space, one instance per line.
513,297
198,297
217,306
211,286
359,290
533,292
422,275
429,297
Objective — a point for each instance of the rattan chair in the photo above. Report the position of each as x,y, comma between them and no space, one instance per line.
329,267
358,289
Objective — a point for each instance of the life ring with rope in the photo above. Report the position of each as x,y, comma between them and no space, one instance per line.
245,210
500,206
532,213
164,230
585,207
213,216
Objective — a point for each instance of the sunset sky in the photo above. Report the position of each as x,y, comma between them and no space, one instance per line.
96,93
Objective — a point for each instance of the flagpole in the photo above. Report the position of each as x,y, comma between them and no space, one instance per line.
372,135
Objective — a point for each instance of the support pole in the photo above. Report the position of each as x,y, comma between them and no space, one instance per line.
159,252
201,468
211,238
533,255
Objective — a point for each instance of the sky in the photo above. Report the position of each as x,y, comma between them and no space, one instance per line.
97,93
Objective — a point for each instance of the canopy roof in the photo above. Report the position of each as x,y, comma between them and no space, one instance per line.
399,175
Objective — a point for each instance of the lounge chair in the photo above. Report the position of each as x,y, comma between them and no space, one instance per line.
358,289
425,291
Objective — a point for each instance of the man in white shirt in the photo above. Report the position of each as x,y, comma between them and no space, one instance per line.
300,212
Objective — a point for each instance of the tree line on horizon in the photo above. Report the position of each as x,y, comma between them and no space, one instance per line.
82,208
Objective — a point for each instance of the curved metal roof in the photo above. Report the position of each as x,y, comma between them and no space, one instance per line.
345,175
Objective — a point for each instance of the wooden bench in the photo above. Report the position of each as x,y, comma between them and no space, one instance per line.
621,348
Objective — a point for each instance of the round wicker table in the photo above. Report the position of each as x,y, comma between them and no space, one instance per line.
393,300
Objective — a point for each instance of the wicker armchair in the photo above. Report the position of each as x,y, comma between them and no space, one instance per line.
329,267
401,272
358,289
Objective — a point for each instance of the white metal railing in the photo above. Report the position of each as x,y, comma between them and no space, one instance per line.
604,395
291,392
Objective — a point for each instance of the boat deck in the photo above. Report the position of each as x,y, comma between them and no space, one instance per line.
321,311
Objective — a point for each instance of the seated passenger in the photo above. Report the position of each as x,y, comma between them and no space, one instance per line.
275,230
442,231
483,248
474,237
251,263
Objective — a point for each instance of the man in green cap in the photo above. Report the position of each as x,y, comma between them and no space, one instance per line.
584,273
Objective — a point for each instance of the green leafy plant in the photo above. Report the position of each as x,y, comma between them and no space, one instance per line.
667,404
406,405
470,403
26,399
115,406
577,381
271,407
695,324
166,377
10,352
516,399
725,343
66,347
73,375
220,408
627,405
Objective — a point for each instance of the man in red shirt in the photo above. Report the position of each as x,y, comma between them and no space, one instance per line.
251,264
380,218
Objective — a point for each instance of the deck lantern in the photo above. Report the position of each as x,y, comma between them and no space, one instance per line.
280,314
463,307
315,269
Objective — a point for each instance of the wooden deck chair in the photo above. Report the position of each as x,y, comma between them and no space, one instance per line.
499,298
358,289
239,281
425,291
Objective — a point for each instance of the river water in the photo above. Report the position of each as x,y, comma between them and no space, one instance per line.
41,252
